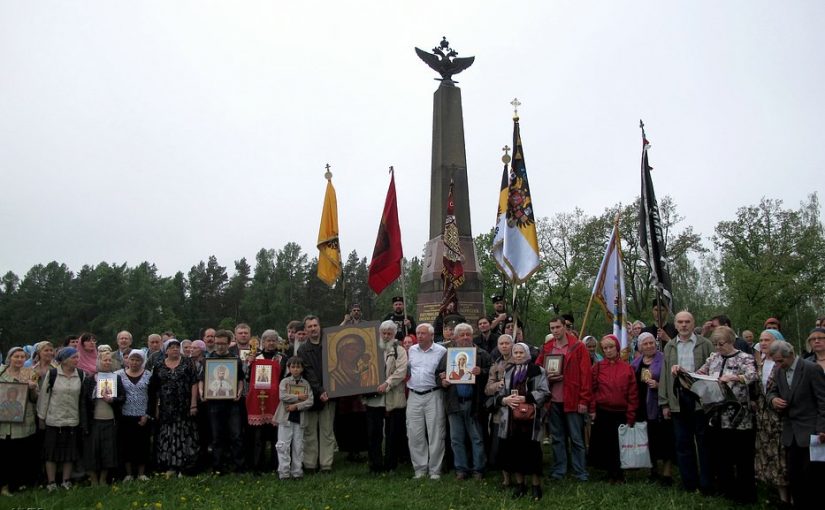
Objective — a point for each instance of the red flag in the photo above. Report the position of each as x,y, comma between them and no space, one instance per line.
385,265
453,271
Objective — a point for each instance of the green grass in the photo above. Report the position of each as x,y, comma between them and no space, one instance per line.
350,486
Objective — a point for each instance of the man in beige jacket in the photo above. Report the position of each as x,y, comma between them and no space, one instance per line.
386,407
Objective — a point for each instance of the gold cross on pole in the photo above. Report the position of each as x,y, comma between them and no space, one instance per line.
515,103
506,158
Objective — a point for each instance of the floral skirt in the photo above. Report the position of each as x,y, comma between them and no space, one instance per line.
177,444
770,462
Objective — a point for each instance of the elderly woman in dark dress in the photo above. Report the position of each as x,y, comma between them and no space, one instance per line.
648,370
16,437
173,391
99,421
520,449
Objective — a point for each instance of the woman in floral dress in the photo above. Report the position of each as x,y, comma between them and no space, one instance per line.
173,391
770,462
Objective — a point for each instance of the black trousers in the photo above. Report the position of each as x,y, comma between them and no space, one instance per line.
733,455
383,425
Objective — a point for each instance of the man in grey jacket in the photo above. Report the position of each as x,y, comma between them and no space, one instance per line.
687,351
799,397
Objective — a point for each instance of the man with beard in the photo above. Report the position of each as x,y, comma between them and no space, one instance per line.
405,323
263,431
353,317
385,409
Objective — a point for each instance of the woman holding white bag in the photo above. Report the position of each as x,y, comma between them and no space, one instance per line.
614,403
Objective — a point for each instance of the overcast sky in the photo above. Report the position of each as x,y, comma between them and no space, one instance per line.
169,131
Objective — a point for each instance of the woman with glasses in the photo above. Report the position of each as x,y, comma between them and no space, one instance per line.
87,354
732,426
816,341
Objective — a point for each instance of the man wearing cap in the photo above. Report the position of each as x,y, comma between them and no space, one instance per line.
353,317
500,316
425,405
406,324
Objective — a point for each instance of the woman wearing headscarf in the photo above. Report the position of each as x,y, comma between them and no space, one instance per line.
173,397
615,401
87,353
99,421
134,429
648,370
16,437
43,358
732,428
198,359
592,347
59,408
770,462
523,386
504,346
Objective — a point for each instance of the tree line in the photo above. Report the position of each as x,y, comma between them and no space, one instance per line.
767,261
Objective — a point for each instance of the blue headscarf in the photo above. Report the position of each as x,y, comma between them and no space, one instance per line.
65,353
776,334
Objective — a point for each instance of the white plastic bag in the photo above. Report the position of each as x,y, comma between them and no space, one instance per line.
633,448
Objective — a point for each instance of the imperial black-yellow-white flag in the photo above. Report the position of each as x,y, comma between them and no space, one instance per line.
329,252
515,244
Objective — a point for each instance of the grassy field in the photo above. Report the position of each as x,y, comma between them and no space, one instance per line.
350,486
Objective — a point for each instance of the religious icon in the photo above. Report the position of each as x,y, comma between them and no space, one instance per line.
263,377
296,389
554,364
221,378
352,359
13,401
646,375
106,385
460,364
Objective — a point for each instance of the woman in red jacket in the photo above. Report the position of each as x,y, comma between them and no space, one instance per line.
615,399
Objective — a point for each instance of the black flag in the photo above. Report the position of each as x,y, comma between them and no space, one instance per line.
651,239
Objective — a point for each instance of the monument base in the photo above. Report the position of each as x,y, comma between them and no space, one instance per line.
431,290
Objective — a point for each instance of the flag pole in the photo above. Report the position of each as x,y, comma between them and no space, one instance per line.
515,312
403,279
592,294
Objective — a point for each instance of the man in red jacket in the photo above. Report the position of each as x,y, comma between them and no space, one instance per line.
569,398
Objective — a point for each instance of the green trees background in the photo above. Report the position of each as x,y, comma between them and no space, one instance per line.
767,261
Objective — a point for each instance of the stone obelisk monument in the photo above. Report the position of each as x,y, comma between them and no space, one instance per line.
449,162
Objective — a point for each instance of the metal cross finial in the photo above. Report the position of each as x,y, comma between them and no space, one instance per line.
328,174
392,169
642,126
516,103
506,158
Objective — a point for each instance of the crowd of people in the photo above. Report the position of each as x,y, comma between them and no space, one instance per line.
228,402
